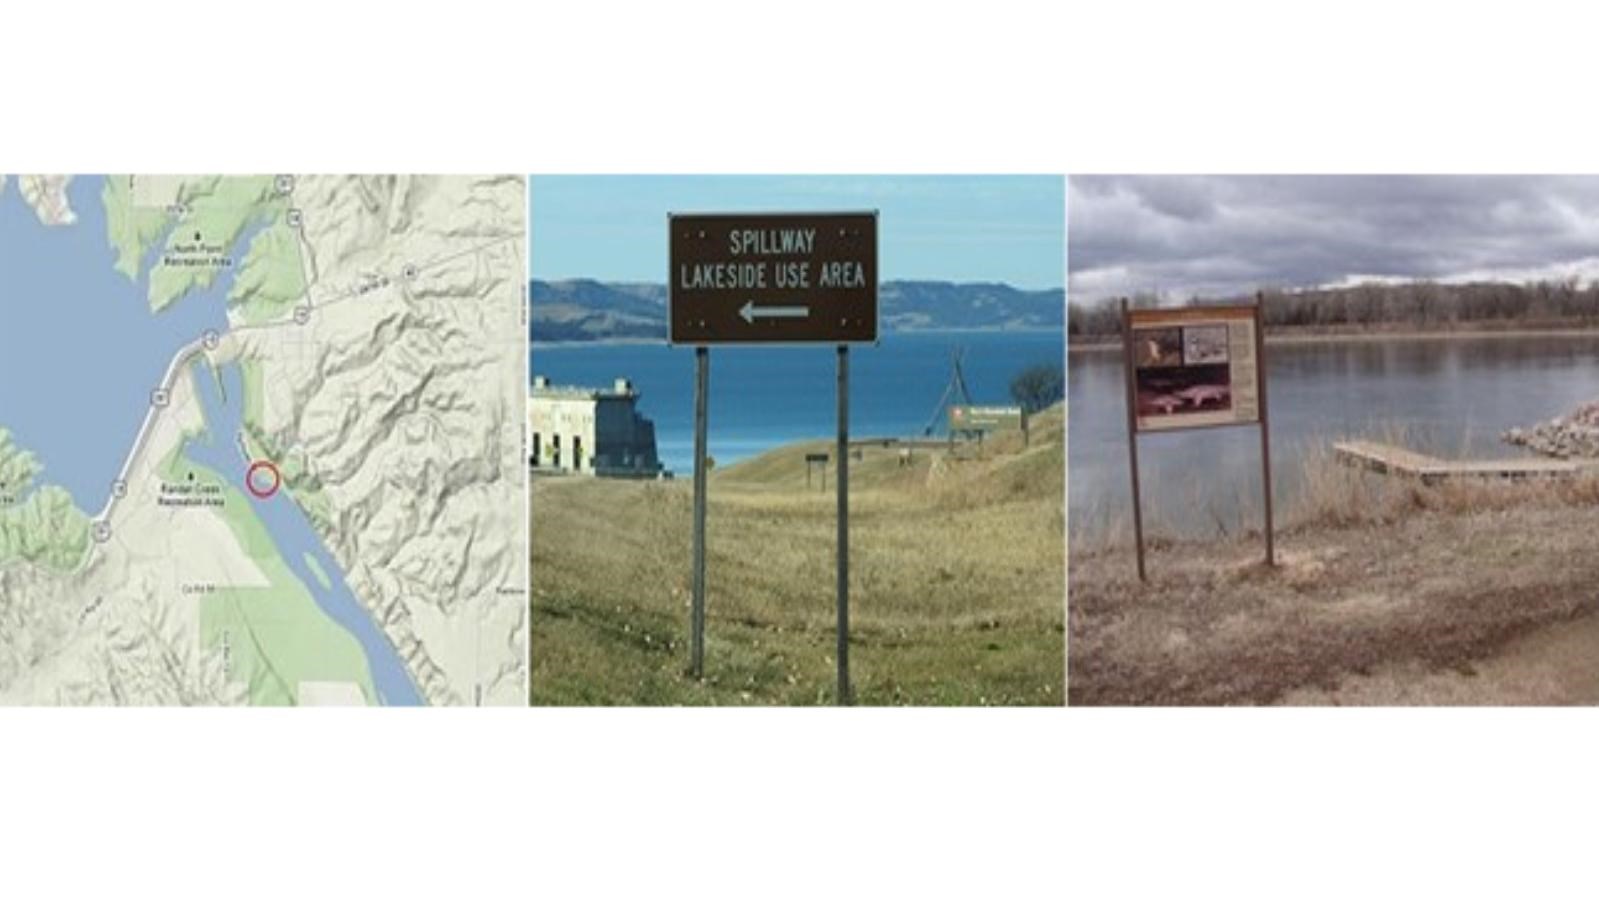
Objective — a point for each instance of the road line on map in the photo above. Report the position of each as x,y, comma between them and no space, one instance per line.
150,416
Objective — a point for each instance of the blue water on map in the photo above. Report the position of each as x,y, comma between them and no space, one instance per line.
292,532
80,350
763,397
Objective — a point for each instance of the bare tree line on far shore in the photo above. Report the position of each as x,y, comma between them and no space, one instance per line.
1419,306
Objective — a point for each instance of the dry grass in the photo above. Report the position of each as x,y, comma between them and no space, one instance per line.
1334,494
957,582
1387,591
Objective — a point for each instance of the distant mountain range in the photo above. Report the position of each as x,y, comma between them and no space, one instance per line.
585,310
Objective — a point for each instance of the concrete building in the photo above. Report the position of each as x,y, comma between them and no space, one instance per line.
590,431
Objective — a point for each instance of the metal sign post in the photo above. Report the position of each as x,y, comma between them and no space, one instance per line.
702,381
772,278
842,481
1195,367
1132,438
1265,423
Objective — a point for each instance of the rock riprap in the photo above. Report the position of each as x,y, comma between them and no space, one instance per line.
1570,436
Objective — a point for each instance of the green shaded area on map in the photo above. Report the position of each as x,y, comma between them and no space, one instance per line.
203,221
270,279
39,526
131,229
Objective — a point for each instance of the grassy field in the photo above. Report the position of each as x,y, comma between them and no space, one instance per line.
1386,592
956,581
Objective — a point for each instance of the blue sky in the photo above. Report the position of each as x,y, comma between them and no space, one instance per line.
1009,228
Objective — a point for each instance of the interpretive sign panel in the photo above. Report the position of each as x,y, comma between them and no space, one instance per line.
1194,367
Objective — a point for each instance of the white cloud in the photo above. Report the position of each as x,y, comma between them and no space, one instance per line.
1182,236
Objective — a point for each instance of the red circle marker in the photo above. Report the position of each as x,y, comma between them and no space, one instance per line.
262,465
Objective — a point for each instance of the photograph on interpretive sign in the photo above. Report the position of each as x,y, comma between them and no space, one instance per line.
797,440
1204,345
1334,440
1182,391
1159,348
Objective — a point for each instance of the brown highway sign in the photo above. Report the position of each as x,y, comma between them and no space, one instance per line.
773,278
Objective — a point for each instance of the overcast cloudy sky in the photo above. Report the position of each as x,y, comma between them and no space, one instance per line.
1212,236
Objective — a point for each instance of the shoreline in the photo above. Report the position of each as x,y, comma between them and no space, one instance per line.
1292,338
661,341
602,342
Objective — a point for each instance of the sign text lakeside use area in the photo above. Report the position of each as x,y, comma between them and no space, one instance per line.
773,278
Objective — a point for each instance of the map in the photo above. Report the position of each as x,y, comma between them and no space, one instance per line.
260,440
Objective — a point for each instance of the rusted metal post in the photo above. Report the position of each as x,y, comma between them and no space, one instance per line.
1132,434
1265,421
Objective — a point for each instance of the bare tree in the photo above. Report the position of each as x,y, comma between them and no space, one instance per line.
1375,306
1038,387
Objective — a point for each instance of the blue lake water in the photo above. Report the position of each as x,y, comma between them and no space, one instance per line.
762,397
80,350
1451,398
292,533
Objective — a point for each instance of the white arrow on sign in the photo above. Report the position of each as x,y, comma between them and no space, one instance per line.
749,312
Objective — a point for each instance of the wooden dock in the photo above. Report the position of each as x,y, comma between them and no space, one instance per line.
1391,460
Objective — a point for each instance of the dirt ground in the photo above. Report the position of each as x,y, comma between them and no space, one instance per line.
1495,606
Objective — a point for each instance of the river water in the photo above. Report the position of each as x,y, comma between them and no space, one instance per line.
1451,397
